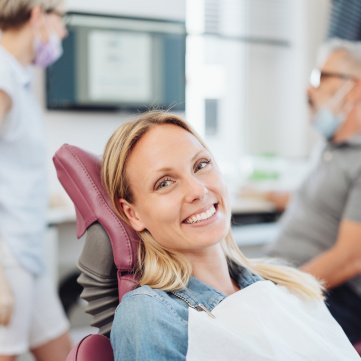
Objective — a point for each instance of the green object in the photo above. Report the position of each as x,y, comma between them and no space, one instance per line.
264,174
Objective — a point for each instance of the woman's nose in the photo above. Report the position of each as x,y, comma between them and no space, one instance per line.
195,189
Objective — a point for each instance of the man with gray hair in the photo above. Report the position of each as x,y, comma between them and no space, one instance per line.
321,229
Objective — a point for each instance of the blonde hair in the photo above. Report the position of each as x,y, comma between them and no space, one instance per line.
162,268
15,13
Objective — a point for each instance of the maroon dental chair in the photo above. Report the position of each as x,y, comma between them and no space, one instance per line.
109,253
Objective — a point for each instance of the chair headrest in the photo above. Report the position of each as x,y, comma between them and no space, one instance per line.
79,173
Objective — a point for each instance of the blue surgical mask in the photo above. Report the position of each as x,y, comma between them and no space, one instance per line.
329,117
326,122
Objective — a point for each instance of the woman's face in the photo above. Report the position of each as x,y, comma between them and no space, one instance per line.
48,23
179,194
54,22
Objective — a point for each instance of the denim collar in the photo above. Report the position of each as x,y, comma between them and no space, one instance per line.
198,295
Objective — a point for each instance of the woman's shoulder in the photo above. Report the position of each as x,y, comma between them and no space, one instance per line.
144,291
150,304
143,295
146,318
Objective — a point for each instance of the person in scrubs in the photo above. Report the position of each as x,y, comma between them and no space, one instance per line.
200,298
31,316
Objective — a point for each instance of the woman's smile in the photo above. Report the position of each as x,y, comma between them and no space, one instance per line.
201,216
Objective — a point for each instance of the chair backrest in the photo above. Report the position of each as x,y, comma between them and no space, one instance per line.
110,247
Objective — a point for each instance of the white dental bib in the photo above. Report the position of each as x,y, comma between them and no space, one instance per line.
267,322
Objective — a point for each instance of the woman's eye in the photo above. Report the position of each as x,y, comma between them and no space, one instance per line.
202,164
164,183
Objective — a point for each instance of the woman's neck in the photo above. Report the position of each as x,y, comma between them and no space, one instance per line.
211,267
18,43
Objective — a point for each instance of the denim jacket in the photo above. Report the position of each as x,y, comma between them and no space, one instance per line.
151,324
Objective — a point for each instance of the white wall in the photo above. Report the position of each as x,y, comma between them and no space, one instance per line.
309,24
275,78
90,130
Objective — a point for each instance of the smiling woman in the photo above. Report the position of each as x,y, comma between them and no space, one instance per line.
198,289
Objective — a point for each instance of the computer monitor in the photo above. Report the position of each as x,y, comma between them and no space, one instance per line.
116,62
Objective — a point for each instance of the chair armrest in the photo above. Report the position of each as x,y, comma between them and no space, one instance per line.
92,348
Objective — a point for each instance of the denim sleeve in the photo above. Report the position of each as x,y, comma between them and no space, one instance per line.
146,327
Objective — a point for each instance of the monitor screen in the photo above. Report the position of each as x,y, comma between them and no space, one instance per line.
113,62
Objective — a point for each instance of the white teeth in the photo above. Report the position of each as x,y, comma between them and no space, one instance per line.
201,216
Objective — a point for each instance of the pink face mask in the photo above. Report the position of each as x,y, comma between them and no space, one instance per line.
49,52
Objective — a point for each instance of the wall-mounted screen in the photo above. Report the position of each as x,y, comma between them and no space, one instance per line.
112,63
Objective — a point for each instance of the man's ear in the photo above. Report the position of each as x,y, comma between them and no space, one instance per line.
356,104
353,97
358,89
132,215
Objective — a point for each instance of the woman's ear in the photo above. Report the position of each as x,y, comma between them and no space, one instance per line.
37,16
132,215
37,22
